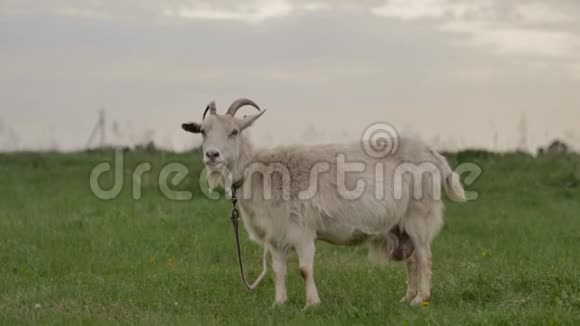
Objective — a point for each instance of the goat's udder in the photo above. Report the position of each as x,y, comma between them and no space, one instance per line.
404,248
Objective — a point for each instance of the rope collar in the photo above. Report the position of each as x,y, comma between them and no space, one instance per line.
235,218
237,185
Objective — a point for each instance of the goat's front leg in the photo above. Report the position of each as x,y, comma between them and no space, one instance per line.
279,268
306,251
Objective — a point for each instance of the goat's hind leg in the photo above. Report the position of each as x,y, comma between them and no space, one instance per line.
403,251
412,279
420,264
423,257
422,227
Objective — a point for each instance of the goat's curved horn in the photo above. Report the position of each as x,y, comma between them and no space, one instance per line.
211,108
239,103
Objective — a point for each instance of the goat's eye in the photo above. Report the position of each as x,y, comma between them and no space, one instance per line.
234,133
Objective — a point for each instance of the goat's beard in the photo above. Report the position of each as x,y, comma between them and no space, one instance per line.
215,179
220,177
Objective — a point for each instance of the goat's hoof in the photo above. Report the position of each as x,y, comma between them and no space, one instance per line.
278,303
404,300
311,305
408,297
420,301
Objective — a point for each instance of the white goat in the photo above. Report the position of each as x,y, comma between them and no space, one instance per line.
294,195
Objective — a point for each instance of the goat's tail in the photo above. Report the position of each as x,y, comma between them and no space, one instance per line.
451,180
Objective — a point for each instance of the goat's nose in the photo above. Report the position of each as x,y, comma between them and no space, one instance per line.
212,155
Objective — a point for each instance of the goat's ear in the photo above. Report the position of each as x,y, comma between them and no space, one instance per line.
191,127
247,121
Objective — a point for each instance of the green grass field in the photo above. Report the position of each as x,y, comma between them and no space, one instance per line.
510,257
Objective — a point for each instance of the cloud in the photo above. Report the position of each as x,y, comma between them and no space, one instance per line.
255,12
515,40
421,9
83,13
502,27
540,13
394,61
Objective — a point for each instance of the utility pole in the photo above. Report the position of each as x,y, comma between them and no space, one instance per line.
100,129
523,129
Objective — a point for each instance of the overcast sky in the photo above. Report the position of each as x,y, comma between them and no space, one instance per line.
457,73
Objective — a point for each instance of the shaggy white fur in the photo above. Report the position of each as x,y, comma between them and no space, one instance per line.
294,195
